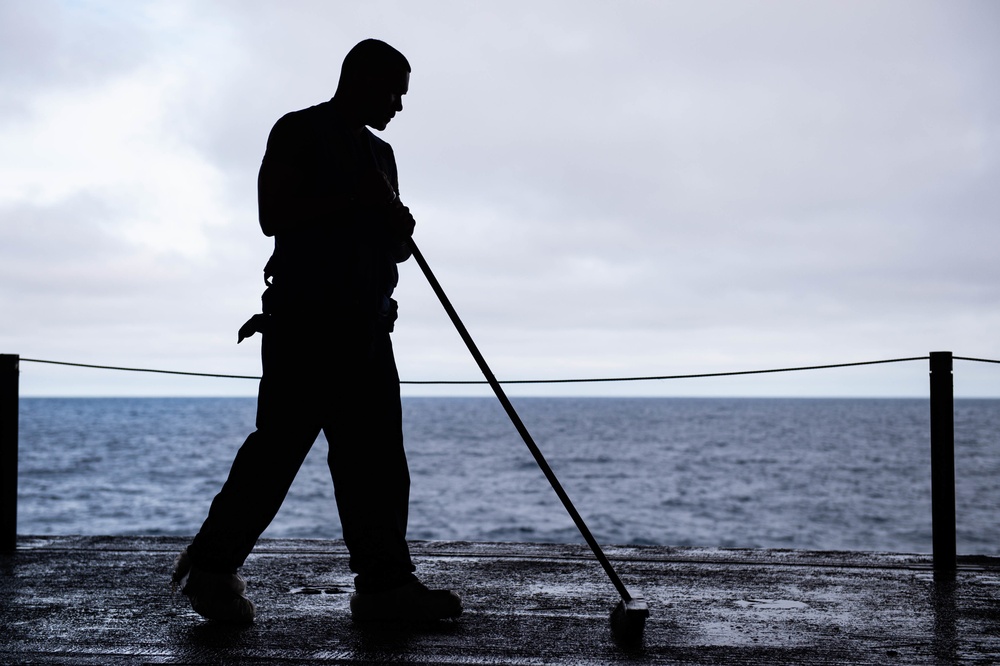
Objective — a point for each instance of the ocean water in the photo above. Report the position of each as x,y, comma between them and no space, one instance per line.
839,474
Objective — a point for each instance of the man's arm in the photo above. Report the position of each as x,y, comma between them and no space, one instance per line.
286,202
284,209
283,206
287,198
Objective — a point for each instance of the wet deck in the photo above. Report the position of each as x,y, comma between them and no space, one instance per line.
96,600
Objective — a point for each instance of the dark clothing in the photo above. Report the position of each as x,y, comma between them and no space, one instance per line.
314,166
326,355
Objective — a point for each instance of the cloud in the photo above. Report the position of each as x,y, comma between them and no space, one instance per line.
601,187
49,45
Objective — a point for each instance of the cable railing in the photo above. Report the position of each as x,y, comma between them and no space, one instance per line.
587,380
942,430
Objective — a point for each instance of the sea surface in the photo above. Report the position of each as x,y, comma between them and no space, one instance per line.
827,474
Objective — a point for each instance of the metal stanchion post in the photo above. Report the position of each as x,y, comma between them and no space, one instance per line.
943,461
8,451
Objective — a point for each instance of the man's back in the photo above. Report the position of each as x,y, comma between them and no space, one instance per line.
331,250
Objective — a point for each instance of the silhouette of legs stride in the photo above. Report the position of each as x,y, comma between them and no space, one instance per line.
307,388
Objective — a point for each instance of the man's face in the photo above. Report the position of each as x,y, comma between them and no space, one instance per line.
384,98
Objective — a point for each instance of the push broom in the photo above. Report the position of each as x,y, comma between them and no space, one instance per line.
628,619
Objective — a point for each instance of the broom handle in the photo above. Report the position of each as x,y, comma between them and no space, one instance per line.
516,420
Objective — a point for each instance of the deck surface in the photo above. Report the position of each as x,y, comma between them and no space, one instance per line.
106,600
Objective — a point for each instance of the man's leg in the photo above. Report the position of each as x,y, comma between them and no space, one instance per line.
368,465
372,484
288,423
264,468
262,472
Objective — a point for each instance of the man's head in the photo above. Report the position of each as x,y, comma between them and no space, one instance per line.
373,80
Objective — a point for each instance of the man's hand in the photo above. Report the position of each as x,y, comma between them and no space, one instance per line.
401,225
376,189
401,222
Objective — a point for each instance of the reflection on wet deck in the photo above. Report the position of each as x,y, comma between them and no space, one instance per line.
106,600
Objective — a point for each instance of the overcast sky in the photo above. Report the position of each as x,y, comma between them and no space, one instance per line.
603,188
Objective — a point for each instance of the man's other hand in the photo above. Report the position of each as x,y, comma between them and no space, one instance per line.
375,188
401,223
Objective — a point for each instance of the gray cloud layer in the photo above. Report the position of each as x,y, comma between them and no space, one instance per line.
603,188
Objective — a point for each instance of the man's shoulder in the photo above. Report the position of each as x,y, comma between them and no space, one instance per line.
299,130
311,115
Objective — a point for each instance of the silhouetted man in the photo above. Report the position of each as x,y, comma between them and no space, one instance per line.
327,194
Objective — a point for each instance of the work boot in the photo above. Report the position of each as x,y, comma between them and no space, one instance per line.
214,596
412,602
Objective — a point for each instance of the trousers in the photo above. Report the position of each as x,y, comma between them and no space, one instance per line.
348,387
